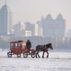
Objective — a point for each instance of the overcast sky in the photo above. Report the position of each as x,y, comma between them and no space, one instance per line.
33,10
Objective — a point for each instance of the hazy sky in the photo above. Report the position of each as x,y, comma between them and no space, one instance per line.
33,10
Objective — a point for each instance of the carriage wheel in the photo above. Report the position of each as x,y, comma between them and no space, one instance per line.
18,55
33,55
9,54
25,55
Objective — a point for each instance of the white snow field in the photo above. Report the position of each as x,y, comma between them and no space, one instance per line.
57,61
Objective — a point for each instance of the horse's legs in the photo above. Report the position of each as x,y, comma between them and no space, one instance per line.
47,54
37,54
43,55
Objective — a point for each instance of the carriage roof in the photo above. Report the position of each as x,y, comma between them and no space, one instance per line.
20,41
17,41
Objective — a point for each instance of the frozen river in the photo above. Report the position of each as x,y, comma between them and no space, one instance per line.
58,61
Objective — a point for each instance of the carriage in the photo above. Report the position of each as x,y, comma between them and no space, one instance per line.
18,48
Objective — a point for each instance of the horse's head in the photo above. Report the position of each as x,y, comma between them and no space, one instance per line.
49,46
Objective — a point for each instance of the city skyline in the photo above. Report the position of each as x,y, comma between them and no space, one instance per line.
32,11
47,27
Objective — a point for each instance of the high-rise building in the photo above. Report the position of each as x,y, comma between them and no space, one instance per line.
59,26
18,30
53,27
30,28
39,29
68,33
5,21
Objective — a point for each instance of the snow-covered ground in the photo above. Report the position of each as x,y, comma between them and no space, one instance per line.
57,61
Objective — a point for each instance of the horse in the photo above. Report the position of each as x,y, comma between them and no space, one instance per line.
43,48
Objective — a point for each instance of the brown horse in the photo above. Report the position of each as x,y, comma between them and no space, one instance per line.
43,48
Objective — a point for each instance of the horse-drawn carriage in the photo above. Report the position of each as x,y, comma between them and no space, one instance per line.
18,48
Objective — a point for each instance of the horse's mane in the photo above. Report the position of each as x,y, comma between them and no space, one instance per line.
48,44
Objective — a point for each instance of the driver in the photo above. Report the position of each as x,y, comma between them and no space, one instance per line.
28,44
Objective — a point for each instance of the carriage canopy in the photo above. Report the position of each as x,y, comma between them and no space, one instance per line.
17,44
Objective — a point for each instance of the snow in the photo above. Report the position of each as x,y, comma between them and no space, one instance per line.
57,61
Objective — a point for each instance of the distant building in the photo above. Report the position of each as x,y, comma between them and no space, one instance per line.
47,26
39,28
28,33
30,27
18,31
69,34
5,21
60,26
53,27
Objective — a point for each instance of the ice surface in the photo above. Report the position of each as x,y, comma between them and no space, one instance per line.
57,61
